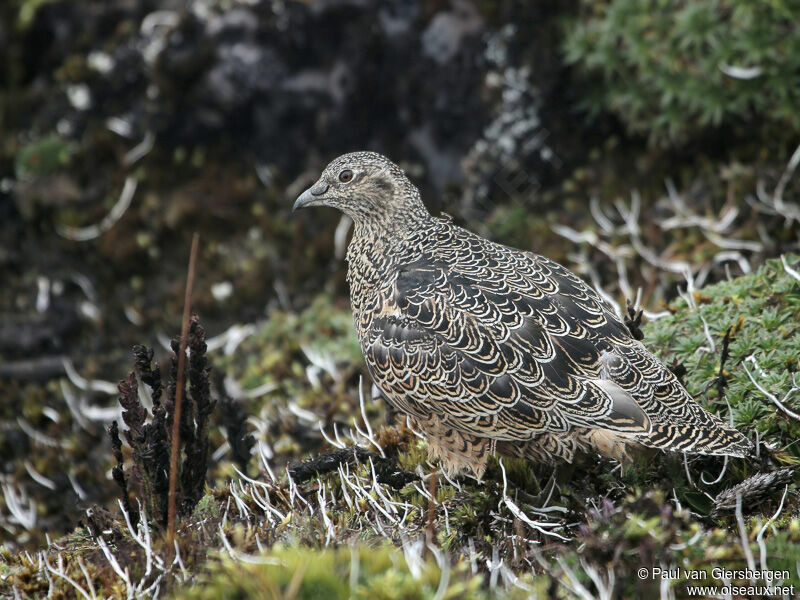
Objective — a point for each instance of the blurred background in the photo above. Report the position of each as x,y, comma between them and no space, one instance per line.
650,147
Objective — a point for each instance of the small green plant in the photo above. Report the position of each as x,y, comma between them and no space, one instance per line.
380,573
671,67
42,157
762,310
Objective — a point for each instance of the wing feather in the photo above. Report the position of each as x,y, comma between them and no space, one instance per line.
499,343
471,336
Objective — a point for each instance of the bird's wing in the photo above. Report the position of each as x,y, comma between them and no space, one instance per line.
502,343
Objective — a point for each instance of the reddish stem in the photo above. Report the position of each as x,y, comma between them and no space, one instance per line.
180,384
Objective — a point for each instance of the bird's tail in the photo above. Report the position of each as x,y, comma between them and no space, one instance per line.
715,438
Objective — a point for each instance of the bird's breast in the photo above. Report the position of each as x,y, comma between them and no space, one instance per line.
370,304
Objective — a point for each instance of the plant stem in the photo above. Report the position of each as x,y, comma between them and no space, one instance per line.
180,384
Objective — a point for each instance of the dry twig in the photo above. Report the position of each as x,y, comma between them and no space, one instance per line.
176,419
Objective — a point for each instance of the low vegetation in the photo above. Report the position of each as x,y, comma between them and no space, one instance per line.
374,519
673,69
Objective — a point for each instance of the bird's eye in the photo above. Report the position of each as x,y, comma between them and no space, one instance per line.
346,176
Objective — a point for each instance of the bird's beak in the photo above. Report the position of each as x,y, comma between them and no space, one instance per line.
313,196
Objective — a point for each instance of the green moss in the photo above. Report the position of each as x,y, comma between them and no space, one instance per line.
514,225
208,507
660,66
379,573
309,359
763,310
324,328
27,11
43,157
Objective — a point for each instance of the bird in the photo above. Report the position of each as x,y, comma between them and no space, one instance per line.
491,350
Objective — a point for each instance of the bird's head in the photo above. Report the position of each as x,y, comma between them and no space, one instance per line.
367,187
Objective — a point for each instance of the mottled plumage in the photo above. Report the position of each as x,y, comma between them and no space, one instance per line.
491,349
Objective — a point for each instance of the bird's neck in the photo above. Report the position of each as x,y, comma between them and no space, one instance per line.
373,241
389,220
379,244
